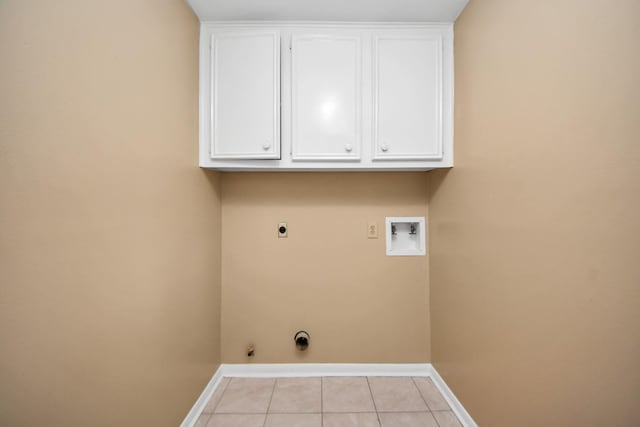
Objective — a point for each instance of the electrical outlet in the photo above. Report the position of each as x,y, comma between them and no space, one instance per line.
372,230
283,230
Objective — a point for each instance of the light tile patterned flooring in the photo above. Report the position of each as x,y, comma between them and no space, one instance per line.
327,402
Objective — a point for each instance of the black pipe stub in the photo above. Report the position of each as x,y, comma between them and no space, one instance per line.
301,338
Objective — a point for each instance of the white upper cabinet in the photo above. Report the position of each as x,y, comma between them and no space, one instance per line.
326,99
283,96
407,96
245,95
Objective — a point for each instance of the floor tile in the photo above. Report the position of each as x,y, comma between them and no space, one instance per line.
361,419
215,398
407,419
202,420
236,420
446,419
346,394
294,420
431,395
396,394
296,395
246,395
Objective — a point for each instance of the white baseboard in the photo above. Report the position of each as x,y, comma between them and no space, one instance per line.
328,370
192,417
451,399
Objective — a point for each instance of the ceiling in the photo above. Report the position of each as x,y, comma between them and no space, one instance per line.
329,10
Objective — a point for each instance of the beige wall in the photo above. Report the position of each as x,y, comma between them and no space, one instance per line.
109,234
535,234
110,238
327,278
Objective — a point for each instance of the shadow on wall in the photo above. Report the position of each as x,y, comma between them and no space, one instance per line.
436,178
334,188
214,179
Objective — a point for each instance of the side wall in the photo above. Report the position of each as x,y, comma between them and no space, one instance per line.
327,277
109,232
535,234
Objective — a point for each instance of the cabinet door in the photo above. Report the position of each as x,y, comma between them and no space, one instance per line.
326,97
245,85
407,96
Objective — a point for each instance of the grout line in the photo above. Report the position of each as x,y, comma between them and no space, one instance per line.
374,401
273,390
222,392
321,402
431,410
315,412
436,420
208,418
420,393
270,413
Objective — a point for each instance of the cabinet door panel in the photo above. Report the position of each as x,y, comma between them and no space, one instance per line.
326,97
407,73
245,116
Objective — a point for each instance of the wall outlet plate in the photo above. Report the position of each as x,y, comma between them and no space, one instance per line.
372,230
